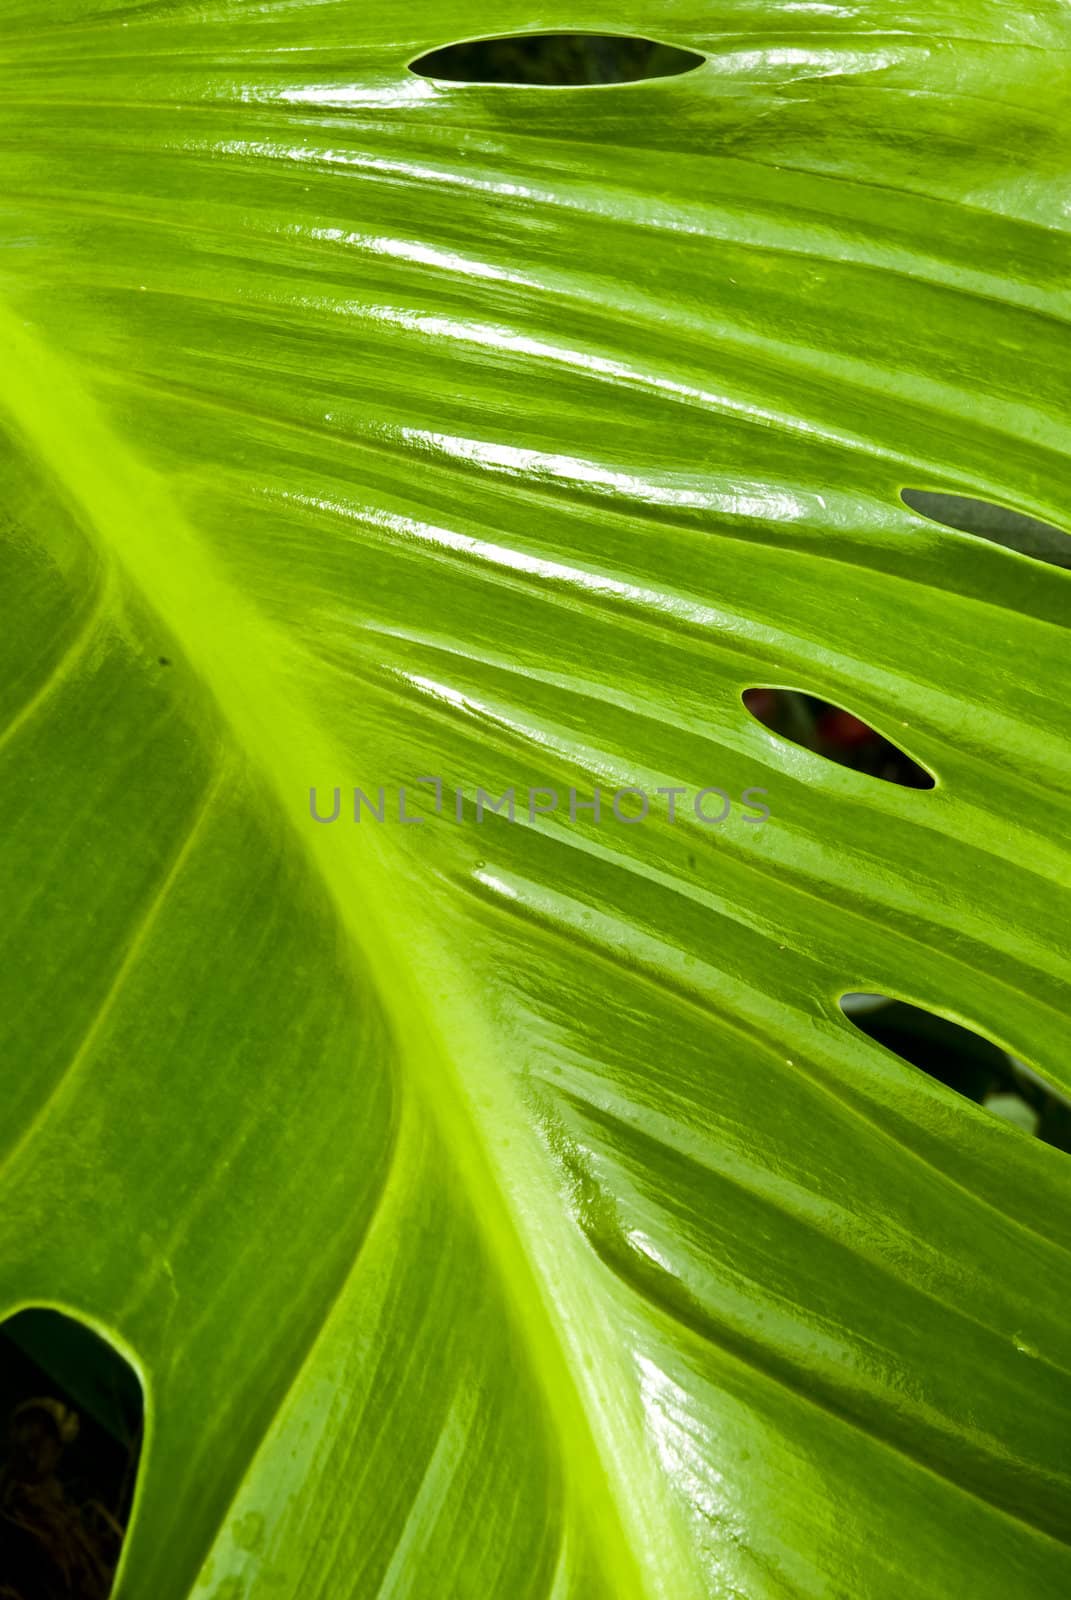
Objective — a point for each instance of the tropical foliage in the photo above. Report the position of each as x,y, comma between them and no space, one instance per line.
497,1210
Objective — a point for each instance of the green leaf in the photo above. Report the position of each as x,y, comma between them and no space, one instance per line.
507,1209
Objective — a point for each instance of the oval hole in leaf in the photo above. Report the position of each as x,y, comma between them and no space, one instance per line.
71,1414
1027,535
834,733
965,1061
562,60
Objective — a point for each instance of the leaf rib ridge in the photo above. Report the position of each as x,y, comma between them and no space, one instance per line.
129,960
61,669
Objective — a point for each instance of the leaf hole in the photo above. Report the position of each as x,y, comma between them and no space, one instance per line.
834,733
71,1410
964,1061
556,60
1027,535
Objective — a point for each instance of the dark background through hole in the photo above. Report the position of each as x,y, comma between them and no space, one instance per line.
71,1418
556,59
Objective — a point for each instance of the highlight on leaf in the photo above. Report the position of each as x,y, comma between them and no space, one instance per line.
556,60
834,733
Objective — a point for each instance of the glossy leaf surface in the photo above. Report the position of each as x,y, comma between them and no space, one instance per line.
507,1210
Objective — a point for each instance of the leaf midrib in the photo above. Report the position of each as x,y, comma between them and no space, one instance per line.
544,1264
